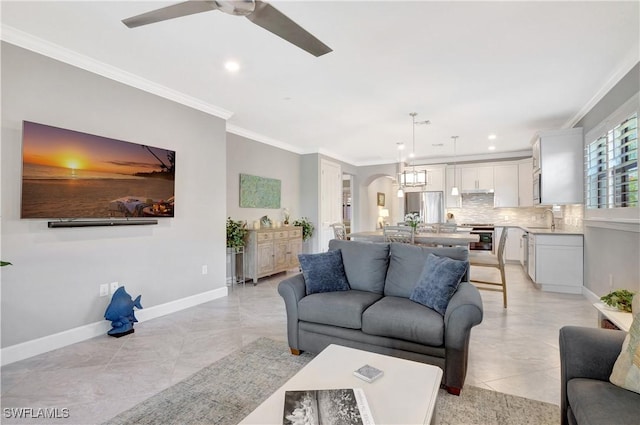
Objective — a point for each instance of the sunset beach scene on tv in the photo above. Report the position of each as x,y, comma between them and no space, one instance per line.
68,174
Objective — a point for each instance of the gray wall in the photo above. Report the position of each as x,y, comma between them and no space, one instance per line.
620,93
53,284
609,251
245,156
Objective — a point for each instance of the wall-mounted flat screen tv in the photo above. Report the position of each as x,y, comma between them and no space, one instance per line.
68,174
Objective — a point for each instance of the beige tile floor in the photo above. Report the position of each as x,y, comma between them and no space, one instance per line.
514,350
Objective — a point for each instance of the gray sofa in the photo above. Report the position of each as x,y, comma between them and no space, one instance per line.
376,314
587,356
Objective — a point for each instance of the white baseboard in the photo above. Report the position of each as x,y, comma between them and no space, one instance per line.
37,346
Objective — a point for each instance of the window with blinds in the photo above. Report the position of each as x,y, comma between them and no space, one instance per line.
611,167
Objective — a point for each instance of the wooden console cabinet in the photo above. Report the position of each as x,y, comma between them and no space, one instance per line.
271,251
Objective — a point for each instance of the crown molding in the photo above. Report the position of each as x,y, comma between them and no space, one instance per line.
27,41
629,62
261,138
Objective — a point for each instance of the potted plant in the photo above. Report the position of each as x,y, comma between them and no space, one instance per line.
5,263
307,227
620,299
236,231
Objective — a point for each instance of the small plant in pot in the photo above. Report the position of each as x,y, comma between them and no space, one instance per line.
307,227
620,299
236,231
5,263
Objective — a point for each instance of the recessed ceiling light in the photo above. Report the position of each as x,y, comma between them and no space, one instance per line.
232,66
492,148
492,136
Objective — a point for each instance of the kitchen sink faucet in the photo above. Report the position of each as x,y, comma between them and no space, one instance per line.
553,223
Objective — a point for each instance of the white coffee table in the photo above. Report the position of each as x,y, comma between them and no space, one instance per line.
405,394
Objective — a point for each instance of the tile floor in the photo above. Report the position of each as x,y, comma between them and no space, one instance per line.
514,350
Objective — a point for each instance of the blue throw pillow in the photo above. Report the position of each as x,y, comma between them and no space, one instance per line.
438,282
323,272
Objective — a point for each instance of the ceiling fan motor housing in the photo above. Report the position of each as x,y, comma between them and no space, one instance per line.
235,7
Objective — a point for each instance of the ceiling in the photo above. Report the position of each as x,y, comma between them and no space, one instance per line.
470,68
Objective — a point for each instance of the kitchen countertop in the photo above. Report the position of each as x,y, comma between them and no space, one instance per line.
537,230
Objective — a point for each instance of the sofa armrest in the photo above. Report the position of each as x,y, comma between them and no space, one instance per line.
589,352
463,312
292,290
586,353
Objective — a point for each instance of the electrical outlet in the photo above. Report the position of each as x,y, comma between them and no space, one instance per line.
114,287
104,289
205,269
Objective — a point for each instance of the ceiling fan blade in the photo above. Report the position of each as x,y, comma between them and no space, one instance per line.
271,19
174,11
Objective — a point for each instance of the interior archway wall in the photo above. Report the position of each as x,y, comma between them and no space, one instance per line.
374,179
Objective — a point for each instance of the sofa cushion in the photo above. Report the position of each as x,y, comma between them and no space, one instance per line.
438,282
406,263
626,370
323,272
401,318
365,263
342,308
600,402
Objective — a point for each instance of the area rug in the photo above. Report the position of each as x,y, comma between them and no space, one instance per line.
231,388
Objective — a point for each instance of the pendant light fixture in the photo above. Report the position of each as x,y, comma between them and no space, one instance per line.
454,189
414,178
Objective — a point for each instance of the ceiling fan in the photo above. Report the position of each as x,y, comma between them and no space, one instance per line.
257,11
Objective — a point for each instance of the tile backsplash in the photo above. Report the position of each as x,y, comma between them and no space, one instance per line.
478,208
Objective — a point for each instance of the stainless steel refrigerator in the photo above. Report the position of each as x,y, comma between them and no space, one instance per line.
430,205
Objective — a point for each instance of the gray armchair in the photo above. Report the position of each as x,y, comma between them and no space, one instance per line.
587,356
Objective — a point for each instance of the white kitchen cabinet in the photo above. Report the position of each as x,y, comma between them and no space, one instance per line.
435,179
558,164
505,186
476,179
513,249
525,183
450,200
531,260
524,250
558,262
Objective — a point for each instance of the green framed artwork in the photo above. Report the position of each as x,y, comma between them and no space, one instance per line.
259,192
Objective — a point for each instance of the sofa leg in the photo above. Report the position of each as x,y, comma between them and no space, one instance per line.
295,351
453,390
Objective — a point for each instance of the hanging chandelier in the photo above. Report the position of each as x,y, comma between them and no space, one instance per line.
413,177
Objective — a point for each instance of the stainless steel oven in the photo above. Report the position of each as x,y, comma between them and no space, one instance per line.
486,234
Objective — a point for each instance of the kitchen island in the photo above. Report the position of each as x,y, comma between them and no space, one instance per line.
443,239
553,259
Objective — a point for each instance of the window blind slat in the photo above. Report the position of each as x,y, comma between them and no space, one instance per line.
611,167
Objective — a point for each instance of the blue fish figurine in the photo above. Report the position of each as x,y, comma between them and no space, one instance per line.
120,312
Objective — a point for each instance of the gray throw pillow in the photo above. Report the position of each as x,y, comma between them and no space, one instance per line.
438,282
323,272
